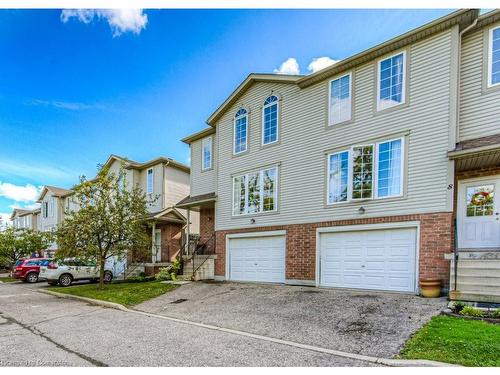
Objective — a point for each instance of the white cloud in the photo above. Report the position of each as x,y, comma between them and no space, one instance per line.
15,168
18,193
120,20
289,66
30,206
71,106
319,63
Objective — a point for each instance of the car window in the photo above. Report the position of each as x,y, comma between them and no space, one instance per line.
19,262
33,263
45,262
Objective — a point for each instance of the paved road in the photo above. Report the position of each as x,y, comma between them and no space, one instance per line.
42,330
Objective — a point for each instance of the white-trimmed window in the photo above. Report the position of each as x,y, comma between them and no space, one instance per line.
240,131
340,107
270,120
366,172
494,57
391,83
255,192
206,153
149,181
51,204
45,209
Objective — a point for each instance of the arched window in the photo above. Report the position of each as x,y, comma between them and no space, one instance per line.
240,131
270,120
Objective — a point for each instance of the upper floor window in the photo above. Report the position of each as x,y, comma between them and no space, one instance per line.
366,172
149,181
45,209
391,81
255,192
207,153
494,57
240,131
51,207
270,120
340,100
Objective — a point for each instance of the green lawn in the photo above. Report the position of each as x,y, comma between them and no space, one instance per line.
128,294
7,279
456,340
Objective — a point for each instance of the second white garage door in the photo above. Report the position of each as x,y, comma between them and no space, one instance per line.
369,259
260,259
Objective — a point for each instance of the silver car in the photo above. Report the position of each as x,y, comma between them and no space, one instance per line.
66,271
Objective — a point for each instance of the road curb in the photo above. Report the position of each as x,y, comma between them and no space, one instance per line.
377,360
92,301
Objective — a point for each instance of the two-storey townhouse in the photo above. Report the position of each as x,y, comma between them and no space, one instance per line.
476,157
23,219
164,181
346,177
52,210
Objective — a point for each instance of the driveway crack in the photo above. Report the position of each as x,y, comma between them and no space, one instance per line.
39,333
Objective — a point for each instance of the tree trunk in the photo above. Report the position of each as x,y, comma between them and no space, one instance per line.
102,261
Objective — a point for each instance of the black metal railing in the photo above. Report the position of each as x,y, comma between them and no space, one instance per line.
202,253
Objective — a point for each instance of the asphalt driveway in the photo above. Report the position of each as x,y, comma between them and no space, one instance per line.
368,323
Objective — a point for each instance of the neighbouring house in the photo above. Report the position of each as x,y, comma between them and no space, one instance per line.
353,176
54,201
23,219
165,181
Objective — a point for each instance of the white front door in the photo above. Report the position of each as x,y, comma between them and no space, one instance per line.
478,223
157,246
380,259
257,259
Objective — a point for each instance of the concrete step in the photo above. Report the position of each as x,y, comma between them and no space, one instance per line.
478,297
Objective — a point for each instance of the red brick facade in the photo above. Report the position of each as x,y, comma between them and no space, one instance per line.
436,239
171,240
207,223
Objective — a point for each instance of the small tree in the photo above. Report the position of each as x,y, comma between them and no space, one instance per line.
19,243
108,223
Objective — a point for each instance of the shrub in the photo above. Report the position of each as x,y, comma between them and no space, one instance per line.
458,306
140,279
163,274
471,311
496,314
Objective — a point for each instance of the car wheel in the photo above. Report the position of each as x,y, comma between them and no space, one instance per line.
108,276
32,277
65,280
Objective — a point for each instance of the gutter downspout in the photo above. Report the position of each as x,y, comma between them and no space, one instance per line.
457,133
459,71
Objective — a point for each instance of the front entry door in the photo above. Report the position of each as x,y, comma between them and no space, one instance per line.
478,214
157,247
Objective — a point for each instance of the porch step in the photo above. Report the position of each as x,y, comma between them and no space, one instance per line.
477,279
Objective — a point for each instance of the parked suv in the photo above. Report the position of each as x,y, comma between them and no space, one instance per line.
66,271
28,270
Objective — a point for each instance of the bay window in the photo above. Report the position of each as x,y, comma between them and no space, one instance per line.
366,172
255,192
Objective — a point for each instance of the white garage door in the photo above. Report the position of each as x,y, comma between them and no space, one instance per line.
370,259
257,259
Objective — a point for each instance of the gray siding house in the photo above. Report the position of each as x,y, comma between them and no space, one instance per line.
354,176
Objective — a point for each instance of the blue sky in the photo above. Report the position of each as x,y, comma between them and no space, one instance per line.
73,92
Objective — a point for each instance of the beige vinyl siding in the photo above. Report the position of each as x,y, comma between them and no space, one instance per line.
305,140
176,185
158,194
203,182
479,106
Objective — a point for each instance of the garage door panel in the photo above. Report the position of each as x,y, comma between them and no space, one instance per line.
372,259
257,259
